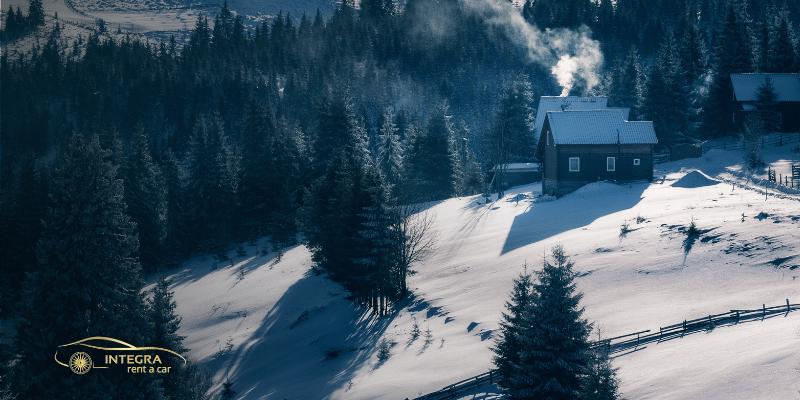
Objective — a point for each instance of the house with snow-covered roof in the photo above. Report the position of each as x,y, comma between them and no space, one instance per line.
565,103
579,147
785,86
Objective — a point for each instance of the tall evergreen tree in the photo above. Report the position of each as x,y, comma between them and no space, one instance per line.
628,84
432,163
781,52
213,183
146,196
666,100
88,281
35,13
508,347
767,104
734,53
554,341
390,152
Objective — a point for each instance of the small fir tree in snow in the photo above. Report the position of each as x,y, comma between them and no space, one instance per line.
384,350
508,346
554,339
601,378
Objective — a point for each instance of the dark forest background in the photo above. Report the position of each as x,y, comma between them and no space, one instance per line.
309,129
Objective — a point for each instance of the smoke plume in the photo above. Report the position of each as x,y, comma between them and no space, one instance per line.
570,54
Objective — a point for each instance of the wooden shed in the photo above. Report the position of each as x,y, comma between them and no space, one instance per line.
579,147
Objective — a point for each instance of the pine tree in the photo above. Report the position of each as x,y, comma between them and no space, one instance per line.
432,162
627,85
781,53
213,183
257,183
163,318
601,379
390,152
767,104
146,196
508,346
35,13
734,54
666,98
512,137
554,341
693,56
377,257
88,281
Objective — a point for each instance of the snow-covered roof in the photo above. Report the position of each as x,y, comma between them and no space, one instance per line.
558,103
745,86
599,127
521,167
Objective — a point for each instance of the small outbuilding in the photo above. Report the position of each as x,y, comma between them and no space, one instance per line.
786,88
579,147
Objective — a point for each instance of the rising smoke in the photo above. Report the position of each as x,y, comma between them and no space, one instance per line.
570,55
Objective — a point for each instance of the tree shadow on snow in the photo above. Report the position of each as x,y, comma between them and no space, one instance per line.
543,220
310,344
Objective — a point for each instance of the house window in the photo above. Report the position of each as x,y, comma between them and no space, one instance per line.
637,161
574,164
611,164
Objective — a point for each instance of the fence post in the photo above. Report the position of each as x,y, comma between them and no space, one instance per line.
737,317
710,322
684,328
787,306
763,311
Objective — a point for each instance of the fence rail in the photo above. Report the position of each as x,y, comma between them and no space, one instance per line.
628,342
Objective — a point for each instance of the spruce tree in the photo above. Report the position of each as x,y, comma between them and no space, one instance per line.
628,84
87,283
146,196
734,54
432,164
508,347
213,183
554,341
667,95
390,152
601,381
35,13
767,104
781,52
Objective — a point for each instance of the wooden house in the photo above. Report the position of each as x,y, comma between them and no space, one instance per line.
579,147
787,97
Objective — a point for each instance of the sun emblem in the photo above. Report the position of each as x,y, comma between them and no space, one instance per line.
80,363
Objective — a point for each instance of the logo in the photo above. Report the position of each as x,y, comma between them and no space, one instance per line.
99,352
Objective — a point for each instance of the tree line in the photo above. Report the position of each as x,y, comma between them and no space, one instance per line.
18,24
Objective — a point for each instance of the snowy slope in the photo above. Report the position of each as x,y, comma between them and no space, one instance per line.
279,331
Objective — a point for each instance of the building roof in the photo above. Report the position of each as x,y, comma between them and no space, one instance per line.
599,127
745,86
557,103
520,167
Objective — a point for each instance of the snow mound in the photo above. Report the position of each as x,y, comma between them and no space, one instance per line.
695,179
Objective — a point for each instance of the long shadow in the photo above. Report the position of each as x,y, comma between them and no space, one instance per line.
309,344
201,266
546,219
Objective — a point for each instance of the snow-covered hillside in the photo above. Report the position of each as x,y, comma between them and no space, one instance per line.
278,330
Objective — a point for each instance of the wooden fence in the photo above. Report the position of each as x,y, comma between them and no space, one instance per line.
621,345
